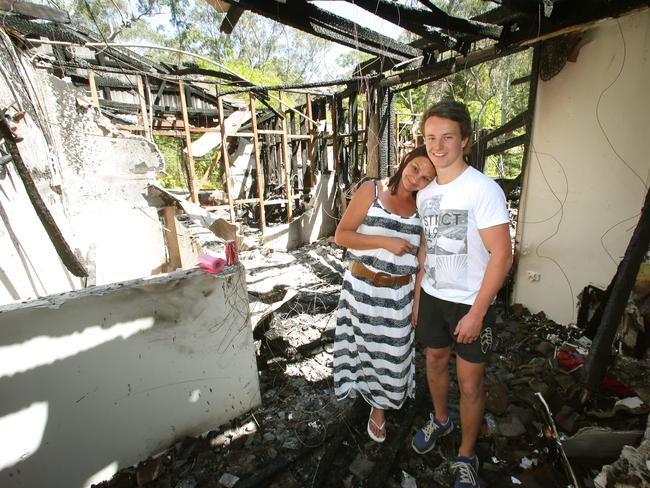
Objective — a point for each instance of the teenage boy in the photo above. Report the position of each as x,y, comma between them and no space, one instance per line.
462,267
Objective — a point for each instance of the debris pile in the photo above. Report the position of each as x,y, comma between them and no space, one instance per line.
537,431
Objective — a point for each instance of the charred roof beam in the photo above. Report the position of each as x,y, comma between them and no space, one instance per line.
415,20
307,17
439,18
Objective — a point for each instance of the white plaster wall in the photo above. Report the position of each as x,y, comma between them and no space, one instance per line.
95,380
92,179
588,169
104,176
29,263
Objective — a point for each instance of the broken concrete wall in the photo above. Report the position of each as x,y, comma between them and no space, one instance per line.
92,179
588,169
95,380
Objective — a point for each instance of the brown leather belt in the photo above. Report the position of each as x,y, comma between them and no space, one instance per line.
379,278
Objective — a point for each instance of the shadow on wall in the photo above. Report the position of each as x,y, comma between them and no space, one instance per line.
29,270
96,380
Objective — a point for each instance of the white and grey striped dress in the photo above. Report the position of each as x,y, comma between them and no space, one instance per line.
373,348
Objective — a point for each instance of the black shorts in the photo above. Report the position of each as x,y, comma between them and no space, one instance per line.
437,320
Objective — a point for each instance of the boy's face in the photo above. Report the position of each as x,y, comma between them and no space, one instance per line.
444,142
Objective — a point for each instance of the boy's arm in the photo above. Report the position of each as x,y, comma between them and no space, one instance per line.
497,241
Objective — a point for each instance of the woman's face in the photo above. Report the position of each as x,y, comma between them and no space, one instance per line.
418,173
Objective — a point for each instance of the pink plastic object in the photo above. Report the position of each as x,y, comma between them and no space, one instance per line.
211,264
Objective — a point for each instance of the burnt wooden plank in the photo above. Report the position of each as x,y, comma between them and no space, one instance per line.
510,143
517,121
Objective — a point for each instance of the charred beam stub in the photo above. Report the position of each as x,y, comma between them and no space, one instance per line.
517,121
231,19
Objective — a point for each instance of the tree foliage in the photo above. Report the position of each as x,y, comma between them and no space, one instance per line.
257,45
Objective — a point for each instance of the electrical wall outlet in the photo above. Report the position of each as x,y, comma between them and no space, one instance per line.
534,275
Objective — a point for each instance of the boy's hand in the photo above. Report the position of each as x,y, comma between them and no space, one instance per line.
468,328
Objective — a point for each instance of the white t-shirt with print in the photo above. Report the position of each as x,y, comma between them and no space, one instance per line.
452,215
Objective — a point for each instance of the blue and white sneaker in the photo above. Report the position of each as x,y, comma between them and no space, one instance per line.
425,438
465,471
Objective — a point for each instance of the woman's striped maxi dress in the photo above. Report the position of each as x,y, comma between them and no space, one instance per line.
373,348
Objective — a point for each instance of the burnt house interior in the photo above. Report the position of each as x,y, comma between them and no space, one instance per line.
562,402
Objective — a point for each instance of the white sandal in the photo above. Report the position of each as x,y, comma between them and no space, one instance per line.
371,434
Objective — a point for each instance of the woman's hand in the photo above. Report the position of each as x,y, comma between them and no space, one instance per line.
397,246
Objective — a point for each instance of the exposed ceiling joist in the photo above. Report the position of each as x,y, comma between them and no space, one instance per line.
416,19
433,72
307,17
395,13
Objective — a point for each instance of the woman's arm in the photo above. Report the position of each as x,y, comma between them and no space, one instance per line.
346,232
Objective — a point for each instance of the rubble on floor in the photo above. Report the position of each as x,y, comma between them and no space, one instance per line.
536,432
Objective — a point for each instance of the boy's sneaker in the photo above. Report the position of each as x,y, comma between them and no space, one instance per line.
465,471
425,438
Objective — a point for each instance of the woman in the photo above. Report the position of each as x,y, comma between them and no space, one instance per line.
373,352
